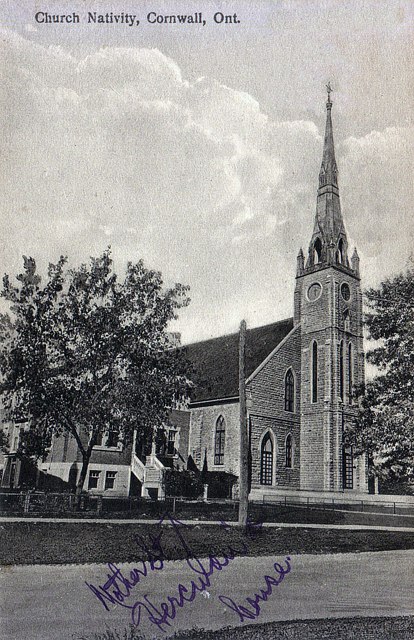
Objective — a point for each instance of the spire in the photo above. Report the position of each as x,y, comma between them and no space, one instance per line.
329,171
300,263
329,243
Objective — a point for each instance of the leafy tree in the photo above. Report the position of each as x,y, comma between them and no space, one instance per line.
87,353
385,425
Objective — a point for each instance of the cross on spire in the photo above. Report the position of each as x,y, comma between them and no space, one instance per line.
329,91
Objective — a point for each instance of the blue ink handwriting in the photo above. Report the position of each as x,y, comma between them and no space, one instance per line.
245,613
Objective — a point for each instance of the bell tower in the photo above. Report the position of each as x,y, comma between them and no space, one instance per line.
328,306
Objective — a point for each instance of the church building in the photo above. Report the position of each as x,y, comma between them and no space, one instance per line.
301,373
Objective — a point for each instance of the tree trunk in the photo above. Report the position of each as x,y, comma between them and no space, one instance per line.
86,455
244,439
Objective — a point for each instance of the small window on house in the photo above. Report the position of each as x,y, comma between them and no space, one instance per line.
112,438
99,438
289,391
172,434
220,436
266,466
110,479
314,372
289,452
93,479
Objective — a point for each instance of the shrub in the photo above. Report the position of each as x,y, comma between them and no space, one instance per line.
183,483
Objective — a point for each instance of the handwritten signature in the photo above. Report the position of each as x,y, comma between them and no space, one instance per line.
118,587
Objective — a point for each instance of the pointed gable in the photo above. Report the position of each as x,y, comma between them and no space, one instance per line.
215,362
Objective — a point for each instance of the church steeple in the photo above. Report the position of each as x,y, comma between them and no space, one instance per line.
329,171
329,244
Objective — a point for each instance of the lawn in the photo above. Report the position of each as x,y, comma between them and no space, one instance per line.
87,542
398,628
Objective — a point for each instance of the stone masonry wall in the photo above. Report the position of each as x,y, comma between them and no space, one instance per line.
267,412
202,436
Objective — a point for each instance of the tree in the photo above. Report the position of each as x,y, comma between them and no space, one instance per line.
88,354
385,424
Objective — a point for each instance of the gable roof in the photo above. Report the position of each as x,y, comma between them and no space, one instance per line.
215,362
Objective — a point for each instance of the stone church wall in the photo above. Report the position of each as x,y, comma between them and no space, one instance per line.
267,412
202,436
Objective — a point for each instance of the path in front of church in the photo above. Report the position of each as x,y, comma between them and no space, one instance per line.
49,602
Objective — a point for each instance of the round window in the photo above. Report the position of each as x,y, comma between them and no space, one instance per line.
345,291
314,291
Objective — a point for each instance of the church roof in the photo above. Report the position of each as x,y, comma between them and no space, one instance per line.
215,362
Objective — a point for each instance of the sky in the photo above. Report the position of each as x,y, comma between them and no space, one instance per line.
197,148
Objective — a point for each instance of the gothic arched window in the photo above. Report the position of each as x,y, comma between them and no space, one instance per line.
350,373
289,452
340,252
317,251
341,370
289,391
266,465
219,440
314,371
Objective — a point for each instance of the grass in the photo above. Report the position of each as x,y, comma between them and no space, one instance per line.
384,628
84,542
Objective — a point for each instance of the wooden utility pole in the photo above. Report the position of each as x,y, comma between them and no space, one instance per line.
244,439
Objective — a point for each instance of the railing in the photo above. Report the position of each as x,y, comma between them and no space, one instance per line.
153,461
394,507
275,507
138,468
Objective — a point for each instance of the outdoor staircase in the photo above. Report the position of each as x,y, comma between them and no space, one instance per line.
150,475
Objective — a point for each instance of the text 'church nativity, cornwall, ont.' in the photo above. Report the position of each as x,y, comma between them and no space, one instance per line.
300,373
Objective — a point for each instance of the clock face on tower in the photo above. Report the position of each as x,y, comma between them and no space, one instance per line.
345,291
314,291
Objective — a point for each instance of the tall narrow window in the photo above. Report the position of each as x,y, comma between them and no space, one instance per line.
289,391
341,370
266,466
289,452
315,372
317,251
340,252
172,433
348,468
219,441
350,373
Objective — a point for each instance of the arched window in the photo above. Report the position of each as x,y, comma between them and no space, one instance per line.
289,452
314,371
350,373
317,251
266,466
341,370
340,252
289,391
219,441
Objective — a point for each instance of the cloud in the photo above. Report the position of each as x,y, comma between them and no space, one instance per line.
378,194
119,147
